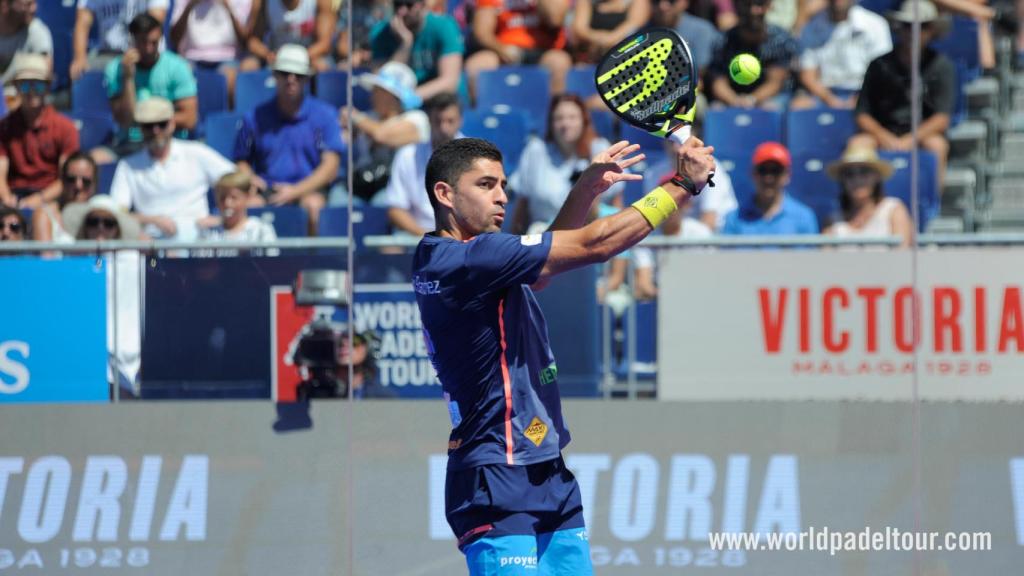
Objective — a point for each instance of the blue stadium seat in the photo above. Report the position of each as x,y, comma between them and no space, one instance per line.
213,92
508,131
737,164
3,107
740,130
89,95
811,185
580,81
899,185
220,129
819,131
523,87
604,123
252,89
367,221
93,130
106,177
288,221
879,6
62,52
331,88
960,45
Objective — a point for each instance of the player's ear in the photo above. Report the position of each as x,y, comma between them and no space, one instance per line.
444,194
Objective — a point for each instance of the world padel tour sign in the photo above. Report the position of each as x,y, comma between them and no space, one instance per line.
837,324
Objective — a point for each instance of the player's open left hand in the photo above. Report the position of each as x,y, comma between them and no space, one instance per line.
694,160
609,167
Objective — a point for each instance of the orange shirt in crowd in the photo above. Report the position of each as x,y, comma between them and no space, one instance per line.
519,25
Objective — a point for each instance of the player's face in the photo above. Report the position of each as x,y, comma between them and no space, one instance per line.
567,123
479,198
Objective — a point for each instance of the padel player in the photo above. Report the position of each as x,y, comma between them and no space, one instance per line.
509,498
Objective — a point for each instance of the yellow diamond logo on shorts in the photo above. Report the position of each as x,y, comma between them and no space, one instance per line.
536,431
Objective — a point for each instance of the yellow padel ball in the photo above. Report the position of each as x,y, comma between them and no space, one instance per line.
744,69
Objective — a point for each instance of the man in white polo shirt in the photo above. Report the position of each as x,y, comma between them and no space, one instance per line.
165,184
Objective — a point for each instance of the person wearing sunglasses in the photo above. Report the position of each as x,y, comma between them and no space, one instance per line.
102,219
78,178
166,183
865,209
35,140
770,211
13,227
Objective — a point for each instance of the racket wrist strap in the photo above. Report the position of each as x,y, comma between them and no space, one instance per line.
656,206
686,183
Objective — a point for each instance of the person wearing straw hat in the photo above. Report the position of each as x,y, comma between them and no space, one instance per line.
292,142
884,107
865,209
102,218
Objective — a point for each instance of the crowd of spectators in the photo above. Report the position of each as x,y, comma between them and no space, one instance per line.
419,61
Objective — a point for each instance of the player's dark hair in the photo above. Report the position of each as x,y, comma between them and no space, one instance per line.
143,24
450,161
440,101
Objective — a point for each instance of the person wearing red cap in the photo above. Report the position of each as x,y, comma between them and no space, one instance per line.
770,211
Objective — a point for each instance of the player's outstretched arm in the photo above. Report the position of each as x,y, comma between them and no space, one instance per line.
607,168
602,239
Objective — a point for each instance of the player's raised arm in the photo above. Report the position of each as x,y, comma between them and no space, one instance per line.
607,168
604,238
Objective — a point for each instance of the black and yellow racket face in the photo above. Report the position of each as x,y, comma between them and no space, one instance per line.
649,80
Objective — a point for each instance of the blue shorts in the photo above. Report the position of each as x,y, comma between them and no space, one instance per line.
513,520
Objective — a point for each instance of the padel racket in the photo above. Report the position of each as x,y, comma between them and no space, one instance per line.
649,81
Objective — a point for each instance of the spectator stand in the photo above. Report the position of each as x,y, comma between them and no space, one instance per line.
525,88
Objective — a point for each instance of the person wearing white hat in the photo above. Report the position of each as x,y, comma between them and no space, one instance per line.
309,24
866,211
884,106
292,142
166,182
398,121
34,140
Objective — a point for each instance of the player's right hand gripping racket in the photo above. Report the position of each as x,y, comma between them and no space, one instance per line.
649,81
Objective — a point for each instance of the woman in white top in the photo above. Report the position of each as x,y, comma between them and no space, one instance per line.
866,211
548,168
78,179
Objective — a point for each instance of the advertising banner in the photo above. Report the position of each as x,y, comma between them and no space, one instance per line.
170,489
841,324
53,330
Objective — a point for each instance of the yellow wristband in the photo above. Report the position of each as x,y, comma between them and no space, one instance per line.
656,206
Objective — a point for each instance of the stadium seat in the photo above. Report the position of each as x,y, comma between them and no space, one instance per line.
737,164
899,185
580,81
740,130
213,92
648,143
288,221
62,52
366,221
3,107
644,333
821,131
960,44
505,127
252,89
93,130
331,88
524,87
604,123
89,95
220,129
811,185
106,177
